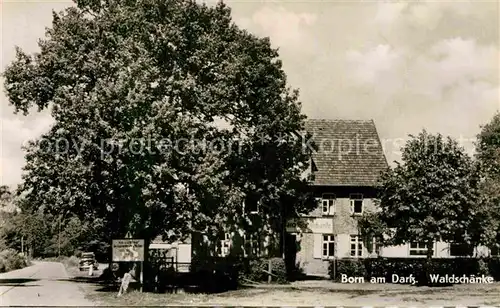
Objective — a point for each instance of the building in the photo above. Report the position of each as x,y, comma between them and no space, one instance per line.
346,166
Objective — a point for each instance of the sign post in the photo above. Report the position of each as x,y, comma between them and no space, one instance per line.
141,275
129,250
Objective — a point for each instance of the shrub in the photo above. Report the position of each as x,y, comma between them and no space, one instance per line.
404,267
215,274
278,268
256,270
494,268
349,267
72,261
11,260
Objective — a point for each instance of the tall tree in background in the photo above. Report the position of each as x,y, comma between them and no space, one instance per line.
432,195
488,156
133,87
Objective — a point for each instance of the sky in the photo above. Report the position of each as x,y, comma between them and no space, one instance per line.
408,65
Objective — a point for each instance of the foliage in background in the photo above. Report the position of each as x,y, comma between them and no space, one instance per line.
44,235
11,260
488,156
432,195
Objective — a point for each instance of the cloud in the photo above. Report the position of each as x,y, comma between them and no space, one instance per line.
377,68
453,63
388,13
450,88
16,133
284,27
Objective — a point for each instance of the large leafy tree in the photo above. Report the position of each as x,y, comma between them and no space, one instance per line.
488,156
432,195
133,87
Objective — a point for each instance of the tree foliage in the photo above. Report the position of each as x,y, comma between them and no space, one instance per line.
126,81
432,195
488,156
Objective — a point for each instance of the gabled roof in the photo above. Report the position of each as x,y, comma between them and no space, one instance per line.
349,152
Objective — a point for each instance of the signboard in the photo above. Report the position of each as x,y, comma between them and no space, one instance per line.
310,225
128,250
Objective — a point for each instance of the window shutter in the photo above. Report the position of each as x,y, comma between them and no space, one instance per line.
318,245
352,206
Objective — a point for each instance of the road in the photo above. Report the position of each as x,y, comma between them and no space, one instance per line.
42,284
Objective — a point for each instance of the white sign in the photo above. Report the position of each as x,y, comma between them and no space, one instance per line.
310,225
128,250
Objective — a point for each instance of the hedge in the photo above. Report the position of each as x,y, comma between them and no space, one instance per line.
404,267
256,270
11,260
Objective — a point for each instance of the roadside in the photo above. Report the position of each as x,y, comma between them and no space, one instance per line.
302,293
42,284
307,293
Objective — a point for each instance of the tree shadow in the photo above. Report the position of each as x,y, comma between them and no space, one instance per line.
81,279
15,281
305,277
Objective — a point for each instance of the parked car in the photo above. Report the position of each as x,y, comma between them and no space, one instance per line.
86,260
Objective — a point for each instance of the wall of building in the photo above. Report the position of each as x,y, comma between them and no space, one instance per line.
311,228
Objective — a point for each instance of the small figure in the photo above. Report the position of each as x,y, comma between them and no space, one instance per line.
126,281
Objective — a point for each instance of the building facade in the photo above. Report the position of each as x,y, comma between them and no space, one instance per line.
346,166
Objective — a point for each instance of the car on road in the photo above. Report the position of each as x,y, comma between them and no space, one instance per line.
87,260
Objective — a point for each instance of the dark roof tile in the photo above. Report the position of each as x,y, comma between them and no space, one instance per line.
349,152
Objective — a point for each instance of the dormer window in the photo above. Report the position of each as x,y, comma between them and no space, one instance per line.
356,201
328,204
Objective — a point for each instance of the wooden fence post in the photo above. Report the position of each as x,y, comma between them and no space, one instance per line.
269,268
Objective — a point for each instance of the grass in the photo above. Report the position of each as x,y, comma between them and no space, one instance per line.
300,294
304,293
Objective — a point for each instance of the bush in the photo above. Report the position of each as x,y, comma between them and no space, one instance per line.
214,274
349,267
256,270
11,260
229,272
494,268
404,267
71,261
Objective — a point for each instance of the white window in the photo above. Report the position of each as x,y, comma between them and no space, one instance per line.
356,201
419,249
328,204
328,246
356,246
225,245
